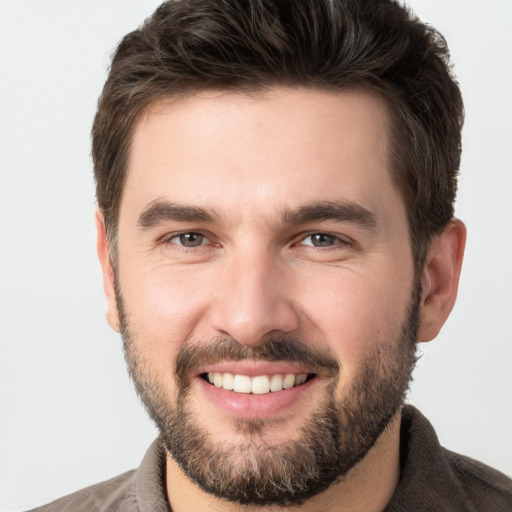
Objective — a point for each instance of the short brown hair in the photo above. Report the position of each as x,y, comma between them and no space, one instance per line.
188,46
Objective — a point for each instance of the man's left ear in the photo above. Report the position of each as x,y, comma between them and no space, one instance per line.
440,279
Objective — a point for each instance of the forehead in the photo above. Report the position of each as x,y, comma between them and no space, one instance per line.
278,149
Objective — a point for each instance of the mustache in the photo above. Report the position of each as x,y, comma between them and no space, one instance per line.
193,355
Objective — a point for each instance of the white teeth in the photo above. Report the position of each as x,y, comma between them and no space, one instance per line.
289,381
259,385
227,381
300,379
276,383
242,384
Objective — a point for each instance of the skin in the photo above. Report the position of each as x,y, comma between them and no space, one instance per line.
248,159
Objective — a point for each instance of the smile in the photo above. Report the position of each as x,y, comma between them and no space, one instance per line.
257,385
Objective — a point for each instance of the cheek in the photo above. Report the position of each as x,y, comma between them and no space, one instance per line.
163,310
354,312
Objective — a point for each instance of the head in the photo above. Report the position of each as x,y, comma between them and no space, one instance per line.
290,106
253,45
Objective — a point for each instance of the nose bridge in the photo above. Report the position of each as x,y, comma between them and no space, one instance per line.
254,299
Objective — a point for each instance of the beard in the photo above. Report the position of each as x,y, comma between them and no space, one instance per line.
338,434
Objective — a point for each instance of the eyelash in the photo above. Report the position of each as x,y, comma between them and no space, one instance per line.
168,239
337,240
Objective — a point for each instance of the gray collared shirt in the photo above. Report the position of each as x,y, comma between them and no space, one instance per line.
432,479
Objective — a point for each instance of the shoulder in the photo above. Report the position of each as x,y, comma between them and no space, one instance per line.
115,494
485,487
434,478
141,489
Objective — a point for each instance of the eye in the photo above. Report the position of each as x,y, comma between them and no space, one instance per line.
189,240
321,240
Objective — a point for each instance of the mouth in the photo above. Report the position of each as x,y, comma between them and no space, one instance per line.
256,385
255,388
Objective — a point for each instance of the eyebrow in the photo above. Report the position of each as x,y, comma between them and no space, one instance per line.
338,211
160,211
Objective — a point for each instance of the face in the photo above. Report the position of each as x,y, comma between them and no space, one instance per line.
265,286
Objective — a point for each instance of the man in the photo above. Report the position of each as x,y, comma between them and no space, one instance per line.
275,183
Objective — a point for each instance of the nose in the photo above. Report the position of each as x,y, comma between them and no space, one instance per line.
254,300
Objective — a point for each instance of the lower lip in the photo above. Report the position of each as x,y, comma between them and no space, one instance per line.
247,405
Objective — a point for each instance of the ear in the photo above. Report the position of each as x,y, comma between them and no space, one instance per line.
440,278
108,273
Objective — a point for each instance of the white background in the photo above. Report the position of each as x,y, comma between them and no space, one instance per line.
68,415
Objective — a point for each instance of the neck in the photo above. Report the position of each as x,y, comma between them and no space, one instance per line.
367,487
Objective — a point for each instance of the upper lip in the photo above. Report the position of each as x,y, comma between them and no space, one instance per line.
253,368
